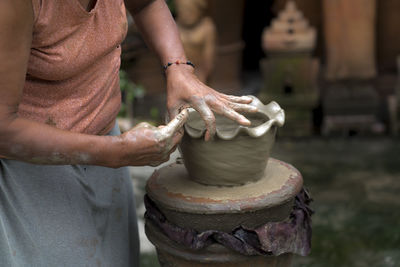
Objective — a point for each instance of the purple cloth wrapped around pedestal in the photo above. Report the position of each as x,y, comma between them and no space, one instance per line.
292,235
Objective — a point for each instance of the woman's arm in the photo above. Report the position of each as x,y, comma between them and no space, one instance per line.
158,28
34,142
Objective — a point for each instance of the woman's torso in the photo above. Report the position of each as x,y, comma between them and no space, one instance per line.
72,79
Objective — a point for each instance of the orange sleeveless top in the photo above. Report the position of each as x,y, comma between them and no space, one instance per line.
72,80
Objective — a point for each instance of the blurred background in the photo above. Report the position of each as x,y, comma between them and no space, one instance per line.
332,65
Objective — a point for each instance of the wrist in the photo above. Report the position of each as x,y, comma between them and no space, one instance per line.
176,70
112,153
179,62
173,59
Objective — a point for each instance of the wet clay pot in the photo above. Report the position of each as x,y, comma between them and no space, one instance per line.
238,154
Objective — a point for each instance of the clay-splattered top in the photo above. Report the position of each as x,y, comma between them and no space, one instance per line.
72,80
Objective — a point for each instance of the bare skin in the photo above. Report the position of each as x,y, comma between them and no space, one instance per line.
30,141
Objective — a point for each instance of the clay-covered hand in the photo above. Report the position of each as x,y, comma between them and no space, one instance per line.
146,144
185,90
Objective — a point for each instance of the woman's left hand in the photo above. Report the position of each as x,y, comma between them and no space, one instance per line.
185,90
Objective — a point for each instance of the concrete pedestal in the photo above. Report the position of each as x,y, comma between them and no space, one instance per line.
290,73
291,80
190,205
350,106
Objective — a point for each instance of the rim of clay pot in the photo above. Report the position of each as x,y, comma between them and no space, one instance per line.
271,113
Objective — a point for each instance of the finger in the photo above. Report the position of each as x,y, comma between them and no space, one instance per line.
173,142
233,115
175,124
176,139
209,119
173,112
144,125
242,107
238,99
172,150
155,164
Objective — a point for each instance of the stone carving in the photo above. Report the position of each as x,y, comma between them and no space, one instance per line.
290,72
349,28
289,32
198,35
238,154
350,106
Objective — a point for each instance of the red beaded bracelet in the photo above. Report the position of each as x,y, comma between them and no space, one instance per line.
177,63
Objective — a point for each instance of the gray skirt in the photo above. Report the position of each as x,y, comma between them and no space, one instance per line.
66,215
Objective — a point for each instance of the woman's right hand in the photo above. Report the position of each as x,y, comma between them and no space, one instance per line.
149,145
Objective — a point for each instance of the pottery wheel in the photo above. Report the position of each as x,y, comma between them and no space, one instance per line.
171,188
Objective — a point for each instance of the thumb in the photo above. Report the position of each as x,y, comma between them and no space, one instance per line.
175,124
